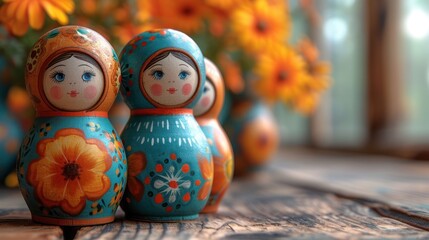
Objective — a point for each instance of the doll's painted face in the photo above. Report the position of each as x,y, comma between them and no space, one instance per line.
73,82
170,79
207,99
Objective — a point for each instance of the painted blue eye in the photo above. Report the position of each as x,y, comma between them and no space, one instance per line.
59,77
205,89
87,76
183,75
157,74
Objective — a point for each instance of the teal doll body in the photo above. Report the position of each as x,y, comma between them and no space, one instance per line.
206,112
170,164
72,170
72,167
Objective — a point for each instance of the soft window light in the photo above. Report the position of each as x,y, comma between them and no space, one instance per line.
416,24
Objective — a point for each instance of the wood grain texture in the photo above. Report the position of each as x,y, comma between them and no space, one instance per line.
281,201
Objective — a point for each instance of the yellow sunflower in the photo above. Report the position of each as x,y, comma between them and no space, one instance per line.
18,15
225,4
281,74
319,71
144,12
259,25
183,15
306,102
233,74
126,31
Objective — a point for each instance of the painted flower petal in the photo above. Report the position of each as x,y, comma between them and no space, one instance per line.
172,198
205,190
158,184
93,184
136,163
186,184
136,188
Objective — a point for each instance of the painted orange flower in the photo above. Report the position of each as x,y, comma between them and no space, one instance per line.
206,168
281,74
258,25
183,15
115,144
136,164
18,15
71,170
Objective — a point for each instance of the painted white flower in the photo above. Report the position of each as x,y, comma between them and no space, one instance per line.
172,183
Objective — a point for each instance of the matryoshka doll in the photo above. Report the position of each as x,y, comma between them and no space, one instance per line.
72,165
170,164
207,112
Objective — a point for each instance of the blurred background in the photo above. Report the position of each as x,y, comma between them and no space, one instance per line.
349,75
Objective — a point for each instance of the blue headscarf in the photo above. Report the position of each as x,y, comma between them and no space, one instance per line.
140,49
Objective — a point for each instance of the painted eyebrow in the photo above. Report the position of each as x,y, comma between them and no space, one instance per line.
59,65
155,65
84,65
182,64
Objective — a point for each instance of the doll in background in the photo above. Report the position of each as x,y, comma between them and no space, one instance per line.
72,165
206,112
170,164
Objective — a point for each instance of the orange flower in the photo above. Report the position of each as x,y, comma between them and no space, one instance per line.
319,71
17,15
126,31
224,4
136,164
206,168
259,26
281,74
115,144
306,102
317,78
144,10
70,171
233,77
183,15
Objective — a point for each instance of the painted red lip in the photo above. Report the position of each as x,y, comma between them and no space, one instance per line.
73,93
171,90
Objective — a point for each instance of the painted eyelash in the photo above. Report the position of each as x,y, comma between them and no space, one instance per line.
185,71
152,73
53,74
92,73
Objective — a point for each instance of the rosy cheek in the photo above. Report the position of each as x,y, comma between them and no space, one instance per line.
186,89
90,92
56,92
156,89
205,102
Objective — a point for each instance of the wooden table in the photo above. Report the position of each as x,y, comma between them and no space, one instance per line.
301,194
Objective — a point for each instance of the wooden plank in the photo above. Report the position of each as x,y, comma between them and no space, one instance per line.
271,204
264,207
15,219
398,183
